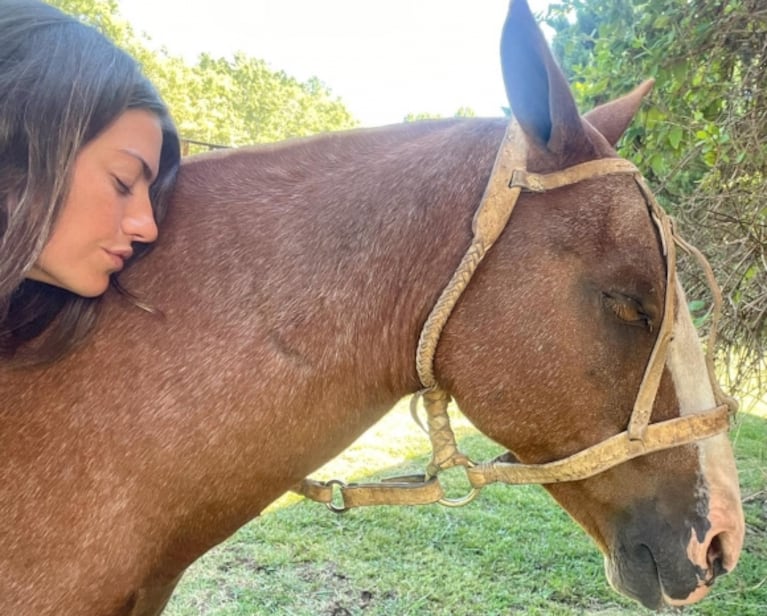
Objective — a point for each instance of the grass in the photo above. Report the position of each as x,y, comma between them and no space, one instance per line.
513,551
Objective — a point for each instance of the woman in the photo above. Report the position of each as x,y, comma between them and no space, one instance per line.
88,156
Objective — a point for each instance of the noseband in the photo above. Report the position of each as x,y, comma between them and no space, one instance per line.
508,179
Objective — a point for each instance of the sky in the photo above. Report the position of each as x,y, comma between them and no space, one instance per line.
384,58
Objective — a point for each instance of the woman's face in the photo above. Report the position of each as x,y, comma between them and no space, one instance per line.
107,208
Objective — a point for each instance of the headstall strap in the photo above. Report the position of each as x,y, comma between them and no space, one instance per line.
509,177
648,389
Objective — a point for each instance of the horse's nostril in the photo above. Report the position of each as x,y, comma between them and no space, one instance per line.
715,558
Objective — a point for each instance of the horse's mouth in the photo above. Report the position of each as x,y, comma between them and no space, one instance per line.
651,594
639,577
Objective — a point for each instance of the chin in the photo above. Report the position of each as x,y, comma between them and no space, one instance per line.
92,289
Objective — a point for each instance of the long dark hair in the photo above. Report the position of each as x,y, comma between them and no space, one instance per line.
61,84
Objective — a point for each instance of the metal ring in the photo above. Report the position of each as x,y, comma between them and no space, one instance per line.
463,500
331,505
459,502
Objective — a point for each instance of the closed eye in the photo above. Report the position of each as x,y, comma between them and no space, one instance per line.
122,187
627,309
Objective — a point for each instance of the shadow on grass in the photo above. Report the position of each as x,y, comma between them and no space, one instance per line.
513,551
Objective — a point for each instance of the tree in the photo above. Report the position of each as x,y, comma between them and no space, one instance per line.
702,139
242,101
230,102
462,112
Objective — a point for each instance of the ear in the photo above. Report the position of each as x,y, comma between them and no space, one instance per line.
613,118
539,94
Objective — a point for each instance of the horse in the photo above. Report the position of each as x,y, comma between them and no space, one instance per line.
290,285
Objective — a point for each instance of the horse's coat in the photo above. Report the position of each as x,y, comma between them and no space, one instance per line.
294,280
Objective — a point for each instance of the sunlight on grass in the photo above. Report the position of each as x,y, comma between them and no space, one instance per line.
752,394
394,441
754,404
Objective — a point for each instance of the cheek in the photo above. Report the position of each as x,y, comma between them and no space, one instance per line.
92,194
90,211
531,382
85,222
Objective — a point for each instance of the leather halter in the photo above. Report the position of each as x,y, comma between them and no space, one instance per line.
508,179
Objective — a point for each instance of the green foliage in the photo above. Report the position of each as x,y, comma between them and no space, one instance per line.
462,112
702,138
99,13
230,102
242,101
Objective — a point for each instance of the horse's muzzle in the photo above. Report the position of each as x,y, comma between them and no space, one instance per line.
661,562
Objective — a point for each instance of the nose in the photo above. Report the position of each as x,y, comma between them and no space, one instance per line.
716,555
714,547
719,551
715,559
138,223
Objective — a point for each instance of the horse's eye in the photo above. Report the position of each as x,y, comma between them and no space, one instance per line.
627,309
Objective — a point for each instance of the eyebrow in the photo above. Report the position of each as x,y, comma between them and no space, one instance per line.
149,175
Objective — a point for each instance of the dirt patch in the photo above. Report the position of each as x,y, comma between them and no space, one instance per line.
345,598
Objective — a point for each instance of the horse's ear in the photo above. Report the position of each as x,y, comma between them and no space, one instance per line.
538,92
612,119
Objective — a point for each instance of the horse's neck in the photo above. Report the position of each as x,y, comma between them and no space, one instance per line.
295,281
352,238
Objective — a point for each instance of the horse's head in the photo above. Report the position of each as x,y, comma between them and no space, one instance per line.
582,268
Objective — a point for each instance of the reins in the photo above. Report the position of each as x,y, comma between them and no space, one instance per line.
508,179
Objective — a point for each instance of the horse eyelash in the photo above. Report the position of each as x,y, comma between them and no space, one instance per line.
619,304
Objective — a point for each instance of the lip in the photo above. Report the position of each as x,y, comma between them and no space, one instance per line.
119,256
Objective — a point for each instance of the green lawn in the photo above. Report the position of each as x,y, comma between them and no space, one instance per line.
512,551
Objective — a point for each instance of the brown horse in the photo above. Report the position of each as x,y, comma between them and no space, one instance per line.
293,282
